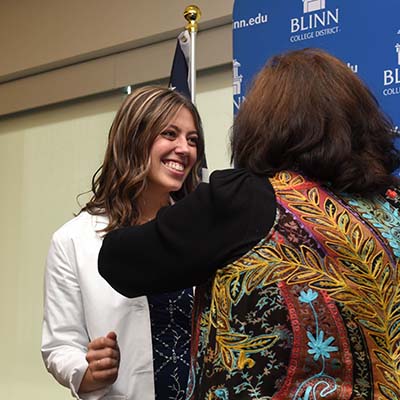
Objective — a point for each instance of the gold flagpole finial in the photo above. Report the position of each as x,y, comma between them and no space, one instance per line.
192,14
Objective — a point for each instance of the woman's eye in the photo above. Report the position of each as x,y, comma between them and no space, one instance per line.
193,140
169,134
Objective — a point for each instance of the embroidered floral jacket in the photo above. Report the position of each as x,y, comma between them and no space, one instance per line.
312,311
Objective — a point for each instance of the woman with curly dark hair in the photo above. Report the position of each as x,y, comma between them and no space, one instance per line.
298,270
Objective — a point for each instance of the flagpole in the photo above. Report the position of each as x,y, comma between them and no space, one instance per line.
192,14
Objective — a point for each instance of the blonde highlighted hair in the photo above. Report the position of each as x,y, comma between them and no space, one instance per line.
122,177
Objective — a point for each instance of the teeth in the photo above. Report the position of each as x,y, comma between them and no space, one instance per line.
174,165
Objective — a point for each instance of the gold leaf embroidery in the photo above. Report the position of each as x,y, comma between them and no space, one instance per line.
355,272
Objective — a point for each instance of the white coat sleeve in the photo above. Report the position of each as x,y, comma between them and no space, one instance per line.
64,335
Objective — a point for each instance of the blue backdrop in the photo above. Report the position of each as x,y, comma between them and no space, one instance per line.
365,34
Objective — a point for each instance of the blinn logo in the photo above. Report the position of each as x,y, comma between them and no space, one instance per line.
313,5
317,17
238,98
237,79
392,77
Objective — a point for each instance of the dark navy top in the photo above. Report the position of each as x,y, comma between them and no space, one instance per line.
170,316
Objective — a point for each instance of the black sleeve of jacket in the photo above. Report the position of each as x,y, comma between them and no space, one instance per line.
187,242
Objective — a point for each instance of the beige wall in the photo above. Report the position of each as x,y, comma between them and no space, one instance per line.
38,35
53,50
47,157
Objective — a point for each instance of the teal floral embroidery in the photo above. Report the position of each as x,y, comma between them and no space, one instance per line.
222,394
246,385
308,297
393,237
320,347
306,394
384,217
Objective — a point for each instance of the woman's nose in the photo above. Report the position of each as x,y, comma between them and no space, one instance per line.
182,146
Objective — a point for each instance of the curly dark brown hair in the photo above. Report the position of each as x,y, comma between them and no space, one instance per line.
307,111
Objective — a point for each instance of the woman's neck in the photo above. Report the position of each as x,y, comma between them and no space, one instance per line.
149,204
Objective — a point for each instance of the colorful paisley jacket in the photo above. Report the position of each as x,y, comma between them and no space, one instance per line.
312,311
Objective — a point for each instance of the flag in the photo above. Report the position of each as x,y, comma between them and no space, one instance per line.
180,71
180,79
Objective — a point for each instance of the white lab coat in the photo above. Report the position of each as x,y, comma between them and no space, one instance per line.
79,305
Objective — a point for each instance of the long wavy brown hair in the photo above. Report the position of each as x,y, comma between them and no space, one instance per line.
307,111
122,177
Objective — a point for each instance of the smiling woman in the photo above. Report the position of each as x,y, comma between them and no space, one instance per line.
95,341
146,118
172,157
